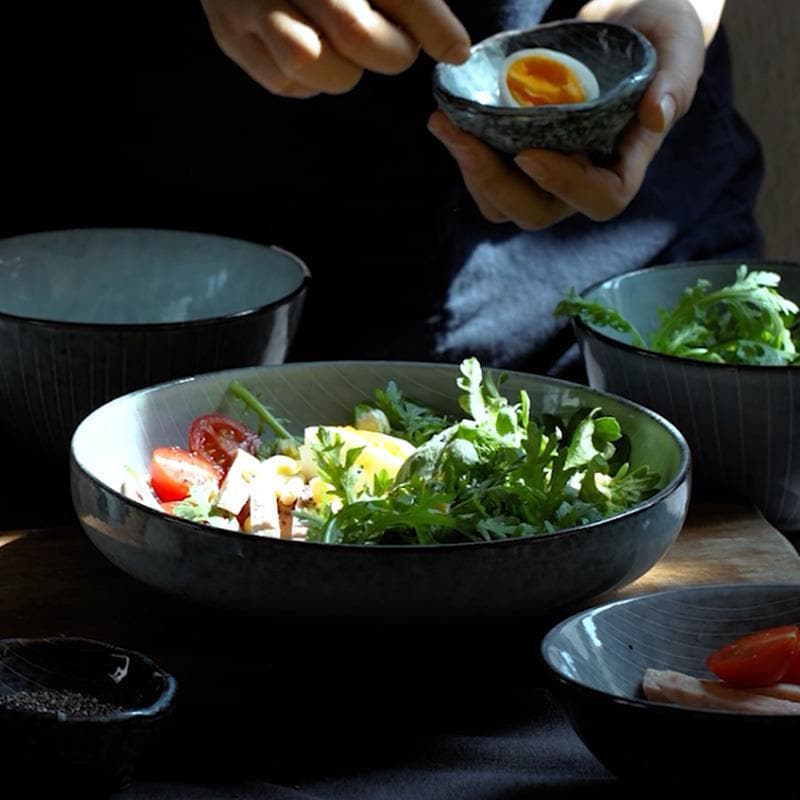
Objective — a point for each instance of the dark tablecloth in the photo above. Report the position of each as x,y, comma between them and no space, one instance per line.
494,742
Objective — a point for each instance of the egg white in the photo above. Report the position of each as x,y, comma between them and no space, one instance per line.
584,75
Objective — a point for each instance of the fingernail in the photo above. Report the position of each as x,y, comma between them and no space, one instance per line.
458,53
667,106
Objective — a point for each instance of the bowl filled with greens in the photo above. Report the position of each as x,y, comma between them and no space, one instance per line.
711,346
380,491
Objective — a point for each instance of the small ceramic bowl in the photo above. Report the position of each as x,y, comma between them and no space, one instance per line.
78,712
470,582
90,314
597,658
621,58
741,422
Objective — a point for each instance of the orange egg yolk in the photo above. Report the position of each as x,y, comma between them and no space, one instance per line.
538,81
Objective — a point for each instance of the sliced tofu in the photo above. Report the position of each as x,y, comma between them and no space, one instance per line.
264,519
235,489
140,491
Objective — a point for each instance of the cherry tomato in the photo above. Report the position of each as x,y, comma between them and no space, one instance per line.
173,471
761,658
217,437
793,673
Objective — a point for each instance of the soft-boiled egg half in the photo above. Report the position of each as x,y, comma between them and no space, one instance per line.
539,76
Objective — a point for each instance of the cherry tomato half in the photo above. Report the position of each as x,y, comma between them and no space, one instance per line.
793,673
173,471
217,437
761,658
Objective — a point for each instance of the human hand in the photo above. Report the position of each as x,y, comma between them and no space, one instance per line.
545,186
301,48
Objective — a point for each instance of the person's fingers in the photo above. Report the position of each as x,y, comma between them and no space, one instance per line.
247,50
431,23
676,33
597,192
302,54
501,191
438,125
325,45
681,54
361,34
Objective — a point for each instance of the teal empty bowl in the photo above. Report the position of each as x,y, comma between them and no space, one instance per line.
468,582
741,421
90,314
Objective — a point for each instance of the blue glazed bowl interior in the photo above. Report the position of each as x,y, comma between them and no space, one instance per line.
122,434
140,276
608,648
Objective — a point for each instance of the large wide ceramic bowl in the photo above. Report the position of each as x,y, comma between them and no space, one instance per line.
90,314
597,659
741,421
469,582
622,60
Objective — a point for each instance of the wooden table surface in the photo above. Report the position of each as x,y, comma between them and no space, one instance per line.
54,582
237,675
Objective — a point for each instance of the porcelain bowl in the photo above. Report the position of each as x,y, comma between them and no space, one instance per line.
78,713
596,660
741,421
90,314
296,580
621,58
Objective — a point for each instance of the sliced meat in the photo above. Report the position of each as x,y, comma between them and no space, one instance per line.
669,686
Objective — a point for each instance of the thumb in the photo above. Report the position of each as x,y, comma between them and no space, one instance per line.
681,55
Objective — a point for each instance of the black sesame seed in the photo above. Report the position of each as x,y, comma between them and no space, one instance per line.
59,702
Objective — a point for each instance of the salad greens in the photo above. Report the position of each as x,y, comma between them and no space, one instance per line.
746,322
497,473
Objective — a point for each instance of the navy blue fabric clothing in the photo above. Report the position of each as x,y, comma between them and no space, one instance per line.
137,118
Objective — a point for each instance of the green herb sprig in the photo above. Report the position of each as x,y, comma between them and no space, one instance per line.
746,322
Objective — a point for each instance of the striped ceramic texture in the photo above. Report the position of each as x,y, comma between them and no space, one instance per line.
88,315
622,60
470,582
597,658
91,752
741,422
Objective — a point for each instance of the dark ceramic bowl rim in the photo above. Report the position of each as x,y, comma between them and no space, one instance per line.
670,488
665,709
165,326
156,709
644,73
610,341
